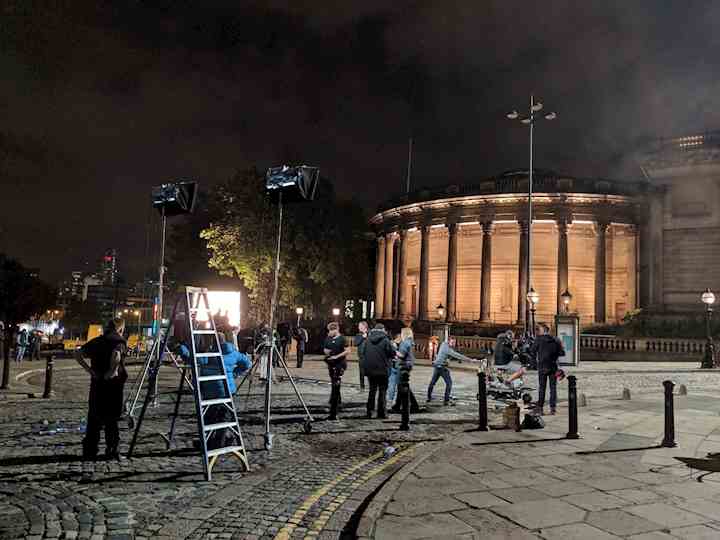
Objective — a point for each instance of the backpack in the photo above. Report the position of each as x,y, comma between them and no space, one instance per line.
532,421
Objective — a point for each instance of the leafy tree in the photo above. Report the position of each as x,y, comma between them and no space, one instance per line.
21,297
324,250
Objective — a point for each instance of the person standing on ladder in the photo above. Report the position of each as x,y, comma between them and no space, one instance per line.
335,353
107,382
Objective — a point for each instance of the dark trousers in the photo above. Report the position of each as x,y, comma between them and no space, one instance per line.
105,406
445,374
379,385
335,383
362,376
300,354
542,381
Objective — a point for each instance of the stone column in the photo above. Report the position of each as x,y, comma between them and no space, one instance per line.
424,269
402,274
450,298
657,225
388,296
600,271
645,255
562,261
380,277
486,272
522,272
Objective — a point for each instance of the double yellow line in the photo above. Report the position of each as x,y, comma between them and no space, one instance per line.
314,530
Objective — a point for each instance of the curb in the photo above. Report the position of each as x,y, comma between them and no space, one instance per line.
366,526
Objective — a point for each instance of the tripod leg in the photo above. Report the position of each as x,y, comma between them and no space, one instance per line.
297,392
131,403
146,402
181,386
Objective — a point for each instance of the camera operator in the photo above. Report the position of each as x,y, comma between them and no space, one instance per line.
335,353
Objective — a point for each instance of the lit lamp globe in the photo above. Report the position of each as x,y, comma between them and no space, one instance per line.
566,297
708,298
441,311
298,311
336,312
533,297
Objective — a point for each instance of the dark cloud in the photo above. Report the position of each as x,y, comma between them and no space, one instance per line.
100,102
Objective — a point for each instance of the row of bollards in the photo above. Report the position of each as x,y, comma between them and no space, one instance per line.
572,406
668,439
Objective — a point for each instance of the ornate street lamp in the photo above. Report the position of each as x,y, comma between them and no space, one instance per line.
708,298
299,311
336,313
533,298
529,120
440,311
566,297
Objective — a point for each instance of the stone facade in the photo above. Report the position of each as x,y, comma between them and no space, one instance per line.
466,247
685,220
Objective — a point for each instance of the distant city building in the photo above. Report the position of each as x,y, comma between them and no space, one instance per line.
108,267
652,243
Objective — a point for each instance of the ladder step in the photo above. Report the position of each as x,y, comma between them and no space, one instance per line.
207,354
204,378
226,450
218,401
203,309
203,332
222,425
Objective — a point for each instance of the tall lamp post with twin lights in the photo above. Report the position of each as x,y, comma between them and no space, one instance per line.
708,298
529,120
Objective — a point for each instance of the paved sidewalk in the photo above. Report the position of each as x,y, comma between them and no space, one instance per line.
535,484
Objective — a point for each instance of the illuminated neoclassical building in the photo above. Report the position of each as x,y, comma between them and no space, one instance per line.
615,245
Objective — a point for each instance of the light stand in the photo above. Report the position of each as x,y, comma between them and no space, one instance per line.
269,349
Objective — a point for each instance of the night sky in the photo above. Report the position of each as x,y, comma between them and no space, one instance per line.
99,101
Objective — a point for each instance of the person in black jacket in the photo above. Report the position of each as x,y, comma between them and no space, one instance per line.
547,349
107,381
379,354
335,353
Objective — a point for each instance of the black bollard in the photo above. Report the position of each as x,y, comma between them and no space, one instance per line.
669,439
572,408
482,402
404,397
48,376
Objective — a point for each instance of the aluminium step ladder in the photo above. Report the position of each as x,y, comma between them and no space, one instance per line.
217,419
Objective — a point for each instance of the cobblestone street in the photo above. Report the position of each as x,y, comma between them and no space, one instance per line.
307,486
313,485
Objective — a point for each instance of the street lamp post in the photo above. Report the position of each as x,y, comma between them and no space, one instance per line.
533,298
336,313
529,120
708,298
445,326
299,312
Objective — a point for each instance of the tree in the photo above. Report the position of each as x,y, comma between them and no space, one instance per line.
21,297
324,250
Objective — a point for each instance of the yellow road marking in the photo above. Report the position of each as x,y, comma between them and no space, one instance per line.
286,532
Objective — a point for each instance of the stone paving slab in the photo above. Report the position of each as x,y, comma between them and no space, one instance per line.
622,523
576,531
541,514
426,526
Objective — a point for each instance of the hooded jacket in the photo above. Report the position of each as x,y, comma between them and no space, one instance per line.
548,349
379,354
